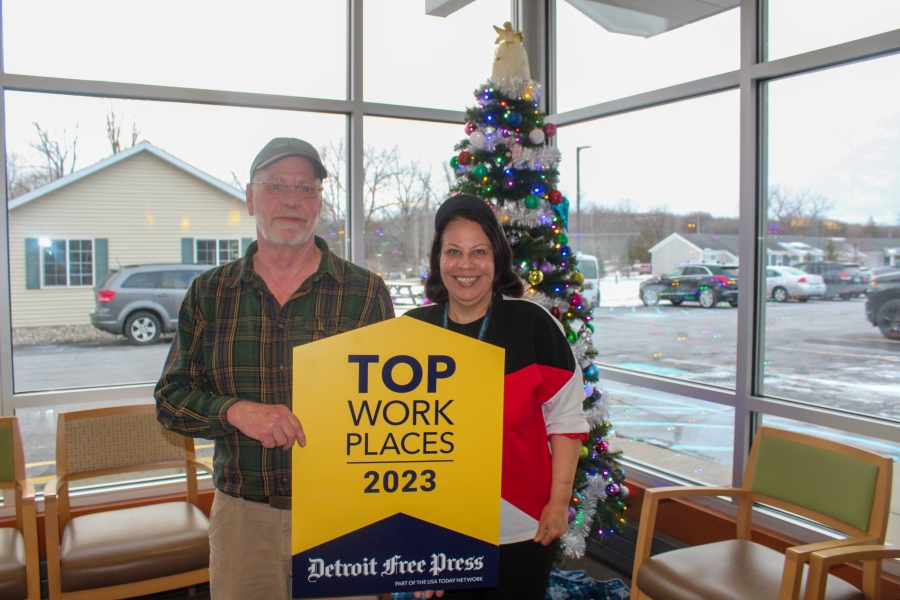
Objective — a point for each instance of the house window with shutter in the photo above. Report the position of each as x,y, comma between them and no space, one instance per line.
218,252
67,263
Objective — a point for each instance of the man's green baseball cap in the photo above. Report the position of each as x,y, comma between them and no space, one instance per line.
280,148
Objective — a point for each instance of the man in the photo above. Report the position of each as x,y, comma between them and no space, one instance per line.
228,374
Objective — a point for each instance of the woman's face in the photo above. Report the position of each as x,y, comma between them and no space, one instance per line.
467,264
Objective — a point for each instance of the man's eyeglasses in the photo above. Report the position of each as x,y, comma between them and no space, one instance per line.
304,190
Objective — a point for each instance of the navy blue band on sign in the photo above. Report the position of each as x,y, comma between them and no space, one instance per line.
424,556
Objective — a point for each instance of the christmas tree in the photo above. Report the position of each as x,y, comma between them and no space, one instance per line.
508,160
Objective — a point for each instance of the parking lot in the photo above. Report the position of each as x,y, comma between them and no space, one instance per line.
822,352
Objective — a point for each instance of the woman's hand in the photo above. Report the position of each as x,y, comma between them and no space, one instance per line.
429,594
555,516
554,522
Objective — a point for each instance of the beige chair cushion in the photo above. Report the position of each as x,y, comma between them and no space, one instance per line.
133,544
729,570
13,583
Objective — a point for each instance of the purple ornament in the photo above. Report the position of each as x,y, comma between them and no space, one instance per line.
612,489
572,513
588,389
545,267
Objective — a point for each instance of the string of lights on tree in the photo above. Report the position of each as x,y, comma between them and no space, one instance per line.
508,160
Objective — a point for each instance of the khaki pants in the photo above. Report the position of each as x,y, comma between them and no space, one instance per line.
250,551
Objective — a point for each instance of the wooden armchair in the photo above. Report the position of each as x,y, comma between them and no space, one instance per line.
19,567
121,553
839,486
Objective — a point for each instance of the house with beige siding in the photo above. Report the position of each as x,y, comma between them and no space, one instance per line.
140,206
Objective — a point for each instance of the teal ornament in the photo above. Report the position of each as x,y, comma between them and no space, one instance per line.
591,372
480,171
562,210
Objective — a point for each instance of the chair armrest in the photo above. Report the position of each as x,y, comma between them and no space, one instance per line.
801,554
26,488
54,484
664,493
820,561
199,464
797,556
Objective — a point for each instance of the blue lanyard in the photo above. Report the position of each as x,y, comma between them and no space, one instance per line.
484,323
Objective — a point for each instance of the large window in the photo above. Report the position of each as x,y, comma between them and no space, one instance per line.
203,44
609,52
659,209
832,220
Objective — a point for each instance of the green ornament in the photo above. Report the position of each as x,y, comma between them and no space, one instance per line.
535,277
480,171
572,336
562,239
454,162
584,452
532,201
591,327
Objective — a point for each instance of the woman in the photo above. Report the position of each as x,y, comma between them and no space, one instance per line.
474,291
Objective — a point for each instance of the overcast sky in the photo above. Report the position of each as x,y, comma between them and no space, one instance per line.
836,132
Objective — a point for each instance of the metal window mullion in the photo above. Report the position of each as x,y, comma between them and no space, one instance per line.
881,44
825,417
122,393
685,389
749,246
355,209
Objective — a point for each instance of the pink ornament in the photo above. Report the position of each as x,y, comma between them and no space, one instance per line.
604,447
576,299
549,129
572,513
470,127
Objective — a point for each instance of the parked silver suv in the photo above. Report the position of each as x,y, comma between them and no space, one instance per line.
142,302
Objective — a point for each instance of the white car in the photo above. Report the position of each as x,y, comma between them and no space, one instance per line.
784,283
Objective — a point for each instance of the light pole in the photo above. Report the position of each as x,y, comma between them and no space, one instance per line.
578,191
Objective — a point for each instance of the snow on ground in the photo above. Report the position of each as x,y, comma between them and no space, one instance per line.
625,292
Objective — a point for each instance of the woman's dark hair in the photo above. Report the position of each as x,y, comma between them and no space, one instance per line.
506,281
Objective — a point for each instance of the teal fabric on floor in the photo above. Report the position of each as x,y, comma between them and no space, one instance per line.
575,585
570,585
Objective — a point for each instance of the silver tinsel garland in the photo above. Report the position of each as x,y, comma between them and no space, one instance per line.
517,213
536,159
516,87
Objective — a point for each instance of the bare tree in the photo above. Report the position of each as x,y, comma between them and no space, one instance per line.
114,131
798,211
21,177
58,156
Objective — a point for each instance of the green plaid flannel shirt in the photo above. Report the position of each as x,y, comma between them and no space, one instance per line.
234,343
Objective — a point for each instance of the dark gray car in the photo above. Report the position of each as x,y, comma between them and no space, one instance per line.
142,302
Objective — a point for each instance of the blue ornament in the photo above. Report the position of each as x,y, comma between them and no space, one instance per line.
565,251
514,119
592,373
562,210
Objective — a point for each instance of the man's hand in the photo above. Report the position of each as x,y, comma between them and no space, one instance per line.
272,425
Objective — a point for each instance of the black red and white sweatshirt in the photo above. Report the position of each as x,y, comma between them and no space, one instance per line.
543,395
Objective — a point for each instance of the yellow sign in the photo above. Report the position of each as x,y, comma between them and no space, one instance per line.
398,487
